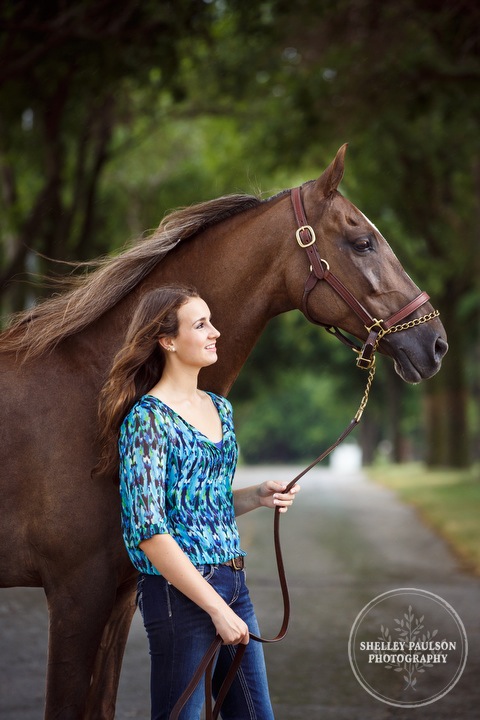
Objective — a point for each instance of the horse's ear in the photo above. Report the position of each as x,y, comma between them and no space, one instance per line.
330,179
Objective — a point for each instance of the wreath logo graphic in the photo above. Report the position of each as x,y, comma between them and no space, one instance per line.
415,634
408,629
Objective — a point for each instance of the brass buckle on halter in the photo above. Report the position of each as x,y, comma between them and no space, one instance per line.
375,333
364,363
324,262
376,324
299,239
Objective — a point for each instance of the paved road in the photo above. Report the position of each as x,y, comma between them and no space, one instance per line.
346,541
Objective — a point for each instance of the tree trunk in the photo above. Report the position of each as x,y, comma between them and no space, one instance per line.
394,410
448,437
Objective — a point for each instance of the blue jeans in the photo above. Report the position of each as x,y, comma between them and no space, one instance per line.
179,634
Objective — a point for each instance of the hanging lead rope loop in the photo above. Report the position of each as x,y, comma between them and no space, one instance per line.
206,665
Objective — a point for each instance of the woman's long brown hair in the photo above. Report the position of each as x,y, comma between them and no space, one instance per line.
137,367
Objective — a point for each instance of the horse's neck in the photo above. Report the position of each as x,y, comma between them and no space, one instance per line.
238,268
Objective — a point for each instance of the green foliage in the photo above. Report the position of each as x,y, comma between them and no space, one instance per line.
298,347
294,420
70,75
111,115
300,388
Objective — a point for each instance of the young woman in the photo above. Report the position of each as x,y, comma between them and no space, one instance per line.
176,457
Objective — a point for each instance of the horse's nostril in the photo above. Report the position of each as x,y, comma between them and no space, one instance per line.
441,347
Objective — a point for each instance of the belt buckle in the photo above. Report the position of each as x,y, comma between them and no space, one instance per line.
240,563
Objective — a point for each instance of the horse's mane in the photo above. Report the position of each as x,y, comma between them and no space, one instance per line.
39,329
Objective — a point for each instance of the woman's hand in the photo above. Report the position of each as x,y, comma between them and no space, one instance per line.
170,560
272,495
269,494
231,628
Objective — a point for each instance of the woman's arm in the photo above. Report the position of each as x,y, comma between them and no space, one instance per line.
170,560
269,494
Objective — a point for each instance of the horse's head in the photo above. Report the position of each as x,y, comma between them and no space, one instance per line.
356,280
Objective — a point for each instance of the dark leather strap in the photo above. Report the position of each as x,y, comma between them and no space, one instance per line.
407,310
206,663
320,270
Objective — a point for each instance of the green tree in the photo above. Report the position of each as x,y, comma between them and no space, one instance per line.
69,76
420,71
109,117
400,81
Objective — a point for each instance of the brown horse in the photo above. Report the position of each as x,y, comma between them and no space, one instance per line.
60,527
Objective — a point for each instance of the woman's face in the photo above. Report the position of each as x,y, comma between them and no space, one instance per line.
195,343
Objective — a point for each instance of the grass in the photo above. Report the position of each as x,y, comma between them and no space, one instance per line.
447,500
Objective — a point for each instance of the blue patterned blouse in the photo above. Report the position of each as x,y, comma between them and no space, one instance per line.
175,480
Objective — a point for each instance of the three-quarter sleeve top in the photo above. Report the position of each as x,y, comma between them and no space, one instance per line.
174,480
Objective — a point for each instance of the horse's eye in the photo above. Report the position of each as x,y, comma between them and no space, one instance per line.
362,244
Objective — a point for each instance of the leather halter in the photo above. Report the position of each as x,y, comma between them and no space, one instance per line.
320,270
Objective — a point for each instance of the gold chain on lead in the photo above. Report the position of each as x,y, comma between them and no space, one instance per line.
381,334
364,400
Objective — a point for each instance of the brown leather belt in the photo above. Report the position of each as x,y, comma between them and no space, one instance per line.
237,563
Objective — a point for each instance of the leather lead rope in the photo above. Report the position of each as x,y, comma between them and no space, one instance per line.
207,663
376,330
